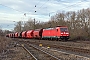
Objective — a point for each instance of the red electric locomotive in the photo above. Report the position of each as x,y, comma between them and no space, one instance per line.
59,32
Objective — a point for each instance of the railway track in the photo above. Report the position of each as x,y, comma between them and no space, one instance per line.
65,55
64,47
74,49
39,54
56,53
69,48
60,54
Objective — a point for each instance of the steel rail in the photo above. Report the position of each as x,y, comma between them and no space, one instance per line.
45,52
29,52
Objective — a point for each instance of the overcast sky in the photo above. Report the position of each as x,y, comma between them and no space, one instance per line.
14,10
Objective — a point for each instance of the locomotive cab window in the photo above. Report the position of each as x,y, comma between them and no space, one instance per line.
63,29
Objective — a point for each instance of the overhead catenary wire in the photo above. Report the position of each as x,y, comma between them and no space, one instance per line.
39,8
35,4
42,5
11,8
58,1
58,10
38,2
14,9
67,6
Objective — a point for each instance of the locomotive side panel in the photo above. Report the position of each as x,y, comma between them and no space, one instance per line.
49,33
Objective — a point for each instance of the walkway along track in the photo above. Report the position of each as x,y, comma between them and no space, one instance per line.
39,54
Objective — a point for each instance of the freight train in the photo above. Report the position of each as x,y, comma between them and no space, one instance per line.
57,33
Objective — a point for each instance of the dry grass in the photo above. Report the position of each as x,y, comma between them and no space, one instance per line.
3,43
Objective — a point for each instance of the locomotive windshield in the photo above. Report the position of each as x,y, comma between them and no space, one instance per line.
63,29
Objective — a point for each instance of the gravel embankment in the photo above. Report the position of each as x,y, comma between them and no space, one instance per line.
12,51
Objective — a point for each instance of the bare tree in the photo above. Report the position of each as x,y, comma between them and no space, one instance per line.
18,27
